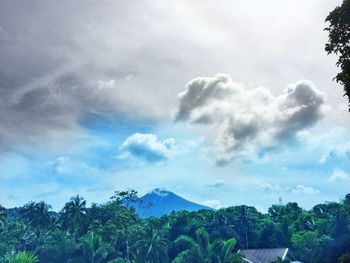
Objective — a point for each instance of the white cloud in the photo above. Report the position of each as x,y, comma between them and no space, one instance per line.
147,147
338,175
72,167
108,84
59,165
162,192
301,189
215,184
248,120
337,151
266,187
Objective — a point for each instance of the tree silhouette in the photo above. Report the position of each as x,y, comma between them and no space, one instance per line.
37,214
73,215
339,42
245,221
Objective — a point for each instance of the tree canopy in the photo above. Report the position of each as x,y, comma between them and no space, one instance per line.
339,42
113,233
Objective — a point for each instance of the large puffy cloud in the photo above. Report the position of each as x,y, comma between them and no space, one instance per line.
248,120
147,147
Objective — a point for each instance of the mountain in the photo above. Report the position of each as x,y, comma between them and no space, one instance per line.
160,202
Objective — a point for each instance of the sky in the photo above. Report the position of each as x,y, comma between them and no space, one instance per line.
222,102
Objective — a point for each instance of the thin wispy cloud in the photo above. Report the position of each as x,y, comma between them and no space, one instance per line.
337,151
338,175
216,184
298,189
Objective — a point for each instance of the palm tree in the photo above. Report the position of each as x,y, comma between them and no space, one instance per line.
152,248
187,250
24,257
38,214
193,251
73,215
203,243
339,221
94,249
226,253
245,221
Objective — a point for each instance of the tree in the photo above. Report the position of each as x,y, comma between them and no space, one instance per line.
268,234
245,222
203,243
116,234
221,224
339,42
94,249
187,250
57,248
125,198
73,215
225,253
37,214
190,250
309,247
152,248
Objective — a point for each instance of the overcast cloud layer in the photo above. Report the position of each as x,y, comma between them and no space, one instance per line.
65,63
87,89
248,120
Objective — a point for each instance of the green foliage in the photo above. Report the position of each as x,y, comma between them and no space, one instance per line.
309,246
112,232
94,250
225,253
152,247
73,215
339,42
37,214
24,257
245,221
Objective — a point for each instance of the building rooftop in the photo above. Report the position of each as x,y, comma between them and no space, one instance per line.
263,255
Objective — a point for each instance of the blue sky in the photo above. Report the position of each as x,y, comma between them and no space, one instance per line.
199,98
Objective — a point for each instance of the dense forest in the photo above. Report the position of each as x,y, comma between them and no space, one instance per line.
113,232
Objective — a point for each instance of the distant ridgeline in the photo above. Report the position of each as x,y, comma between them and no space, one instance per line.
132,229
